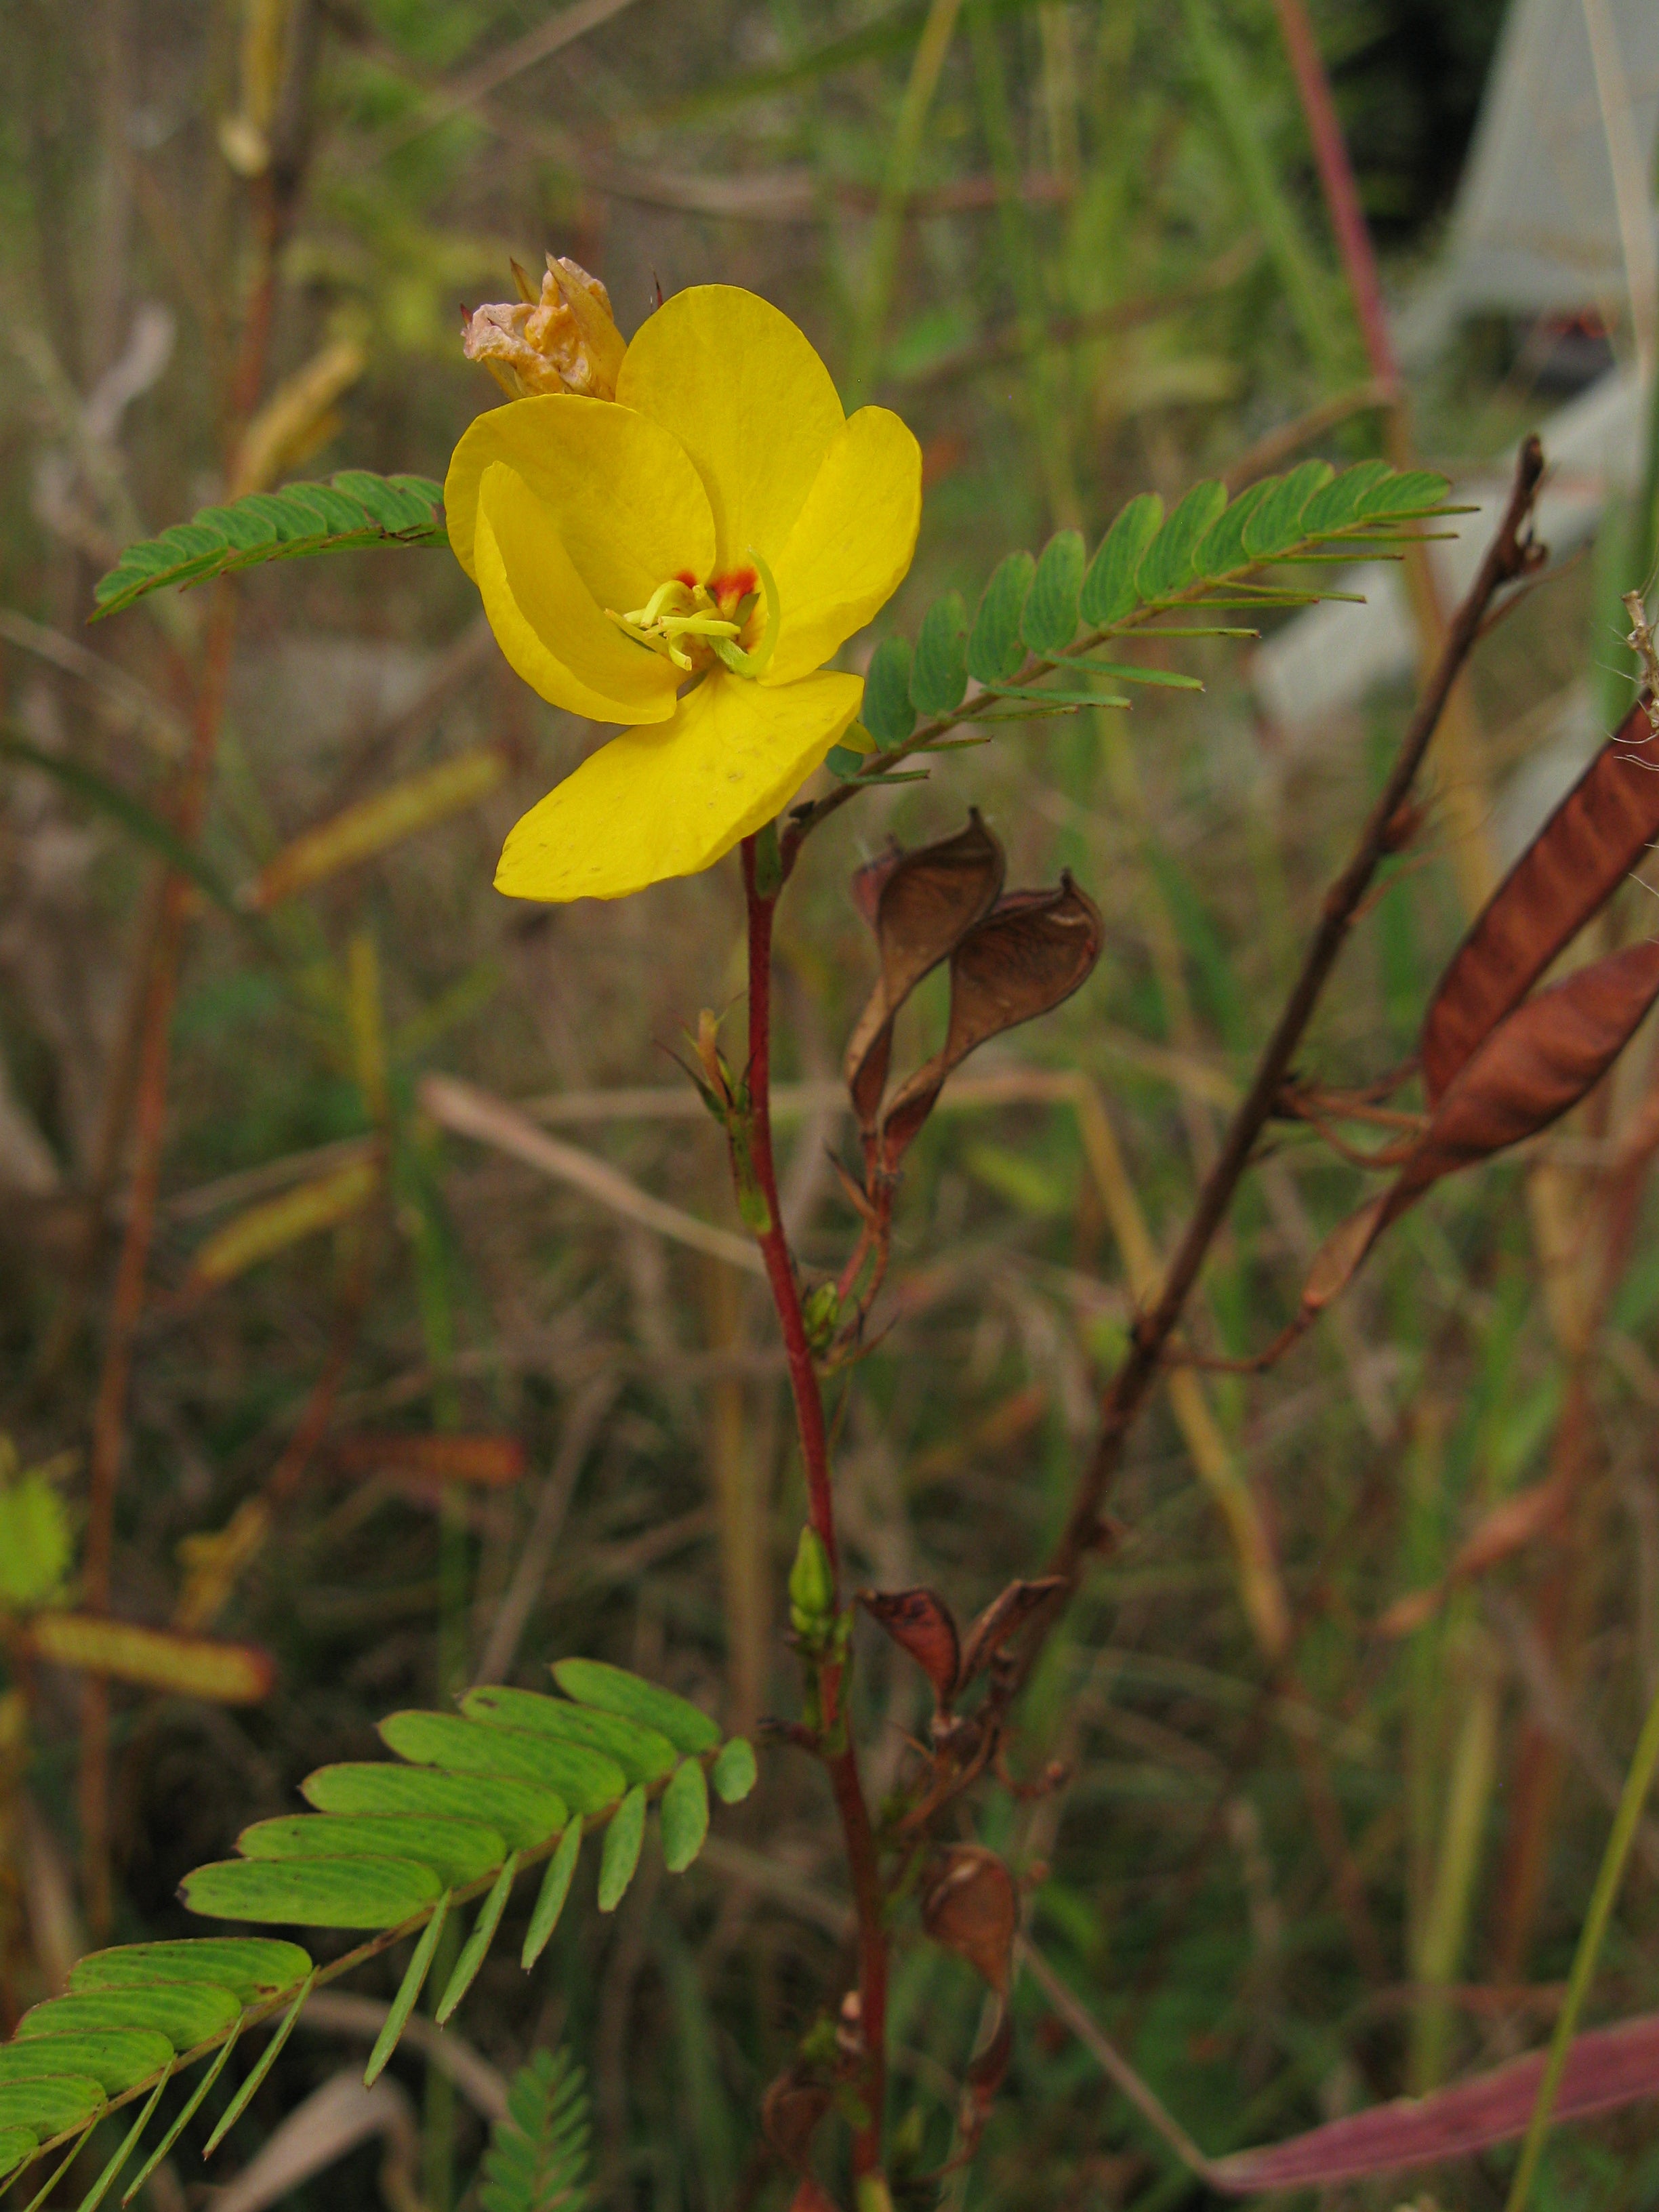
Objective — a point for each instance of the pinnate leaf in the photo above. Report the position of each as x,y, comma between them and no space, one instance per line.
644,1755
1275,525
186,2013
253,1967
537,2156
523,1813
585,1779
1049,621
457,1852
1108,589
114,2056
1341,503
1222,547
356,509
995,650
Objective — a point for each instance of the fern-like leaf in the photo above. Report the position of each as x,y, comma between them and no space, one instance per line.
537,2157
469,1799
355,508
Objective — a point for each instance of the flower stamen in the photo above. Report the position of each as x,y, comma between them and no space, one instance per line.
688,623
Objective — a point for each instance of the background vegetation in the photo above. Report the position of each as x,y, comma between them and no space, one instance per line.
1080,245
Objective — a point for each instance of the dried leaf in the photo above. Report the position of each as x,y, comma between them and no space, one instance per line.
1004,1617
1029,953
920,1622
271,1227
1607,2067
987,2074
154,1658
970,1907
1579,858
927,901
871,880
490,1462
1507,1530
809,2197
399,812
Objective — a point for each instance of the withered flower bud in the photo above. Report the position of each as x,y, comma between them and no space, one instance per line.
565,341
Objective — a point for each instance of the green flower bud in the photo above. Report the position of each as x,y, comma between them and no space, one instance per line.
811,1588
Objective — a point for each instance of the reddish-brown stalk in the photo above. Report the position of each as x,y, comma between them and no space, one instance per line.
864,1864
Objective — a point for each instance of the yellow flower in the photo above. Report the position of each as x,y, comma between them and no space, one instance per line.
683,560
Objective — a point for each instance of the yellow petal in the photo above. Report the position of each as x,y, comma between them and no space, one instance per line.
669,801
852,542
748,398
546,621
620,491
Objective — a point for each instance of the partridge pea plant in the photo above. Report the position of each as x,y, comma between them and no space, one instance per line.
679,538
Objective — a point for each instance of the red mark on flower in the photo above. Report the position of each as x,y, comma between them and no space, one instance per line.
729,589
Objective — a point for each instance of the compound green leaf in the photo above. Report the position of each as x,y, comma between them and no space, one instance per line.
1049,620
123,2151
1169,563
524,1813
886,712
684,1815
613,1690
939,673
116,2057
186,2013
356,509
50,2106
585,1779
623,1839
733,1775
644,1755
458,1851
244,2097
995,648
1108,588
550,1901
252,1965
1403,495
183,2117
313,1893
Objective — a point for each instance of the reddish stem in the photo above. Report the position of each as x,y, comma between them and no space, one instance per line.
863,1860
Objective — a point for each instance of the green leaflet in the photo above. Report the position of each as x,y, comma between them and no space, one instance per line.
1221,549
1275,525
123,2151
313,1893
1169,563
457,1852
585,1779
995,648
478,1943
16,2145
182,2118
644,1755
1049,620
116,2057
524,1813
536,2161
621,1856
409,1991
684,1815
1109,587
550,1902
886,711
51,2106
186,2013
244,2097
1342,501
733,1775
355,508
251,1966
939,673
612,1690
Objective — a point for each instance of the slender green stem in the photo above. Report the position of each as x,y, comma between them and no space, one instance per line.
1602,1900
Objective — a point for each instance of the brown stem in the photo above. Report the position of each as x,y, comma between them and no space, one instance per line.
1508,557
863,1861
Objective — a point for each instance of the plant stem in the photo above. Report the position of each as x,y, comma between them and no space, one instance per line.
863,1860
1602,1900
1506,558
